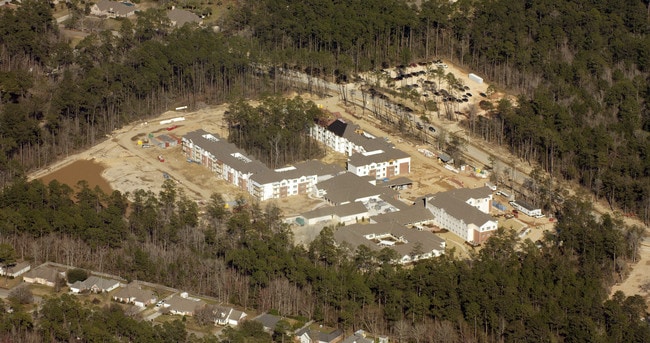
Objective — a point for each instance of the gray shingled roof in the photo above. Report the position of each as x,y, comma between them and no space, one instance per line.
465,194
135,292
307,168
260,173
408,216
224,152
358,159
340,210
352,132
181,17
116,7
527,205
268,320
181,304
101,283
459,209
357,339
46,273
354,235
17,267
348,187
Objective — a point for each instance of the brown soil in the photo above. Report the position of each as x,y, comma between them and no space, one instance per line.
87,170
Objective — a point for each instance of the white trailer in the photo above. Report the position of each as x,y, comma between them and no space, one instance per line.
475,78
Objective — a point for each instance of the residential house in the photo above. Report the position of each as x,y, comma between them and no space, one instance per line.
464,212
358,337
310,335
112,9
183,305
134,294
410,244
268,321
44,275
179,17
227,316
16,270
94,284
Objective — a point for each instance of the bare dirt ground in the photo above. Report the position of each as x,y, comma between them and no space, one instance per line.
639,275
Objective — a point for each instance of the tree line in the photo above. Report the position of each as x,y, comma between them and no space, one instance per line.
277,131
245,255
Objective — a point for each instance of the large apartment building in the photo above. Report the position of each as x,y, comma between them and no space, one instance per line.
233,165
464,212
368,155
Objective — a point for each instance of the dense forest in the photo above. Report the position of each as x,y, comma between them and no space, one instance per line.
509,291
277,131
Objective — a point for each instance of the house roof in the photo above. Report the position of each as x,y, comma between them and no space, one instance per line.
237,315
181,17
236,158
95,281
527,205
407,216
320,336
444,157
167,138
330,336
338,127
339,210
348,187
268,320
378,156
116,7
459,209
357,338
354,134
221,313
47,273
180,304
17,267
226,152
134,292
355,236
306,168
465,194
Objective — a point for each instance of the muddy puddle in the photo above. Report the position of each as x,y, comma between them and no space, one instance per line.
80,170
